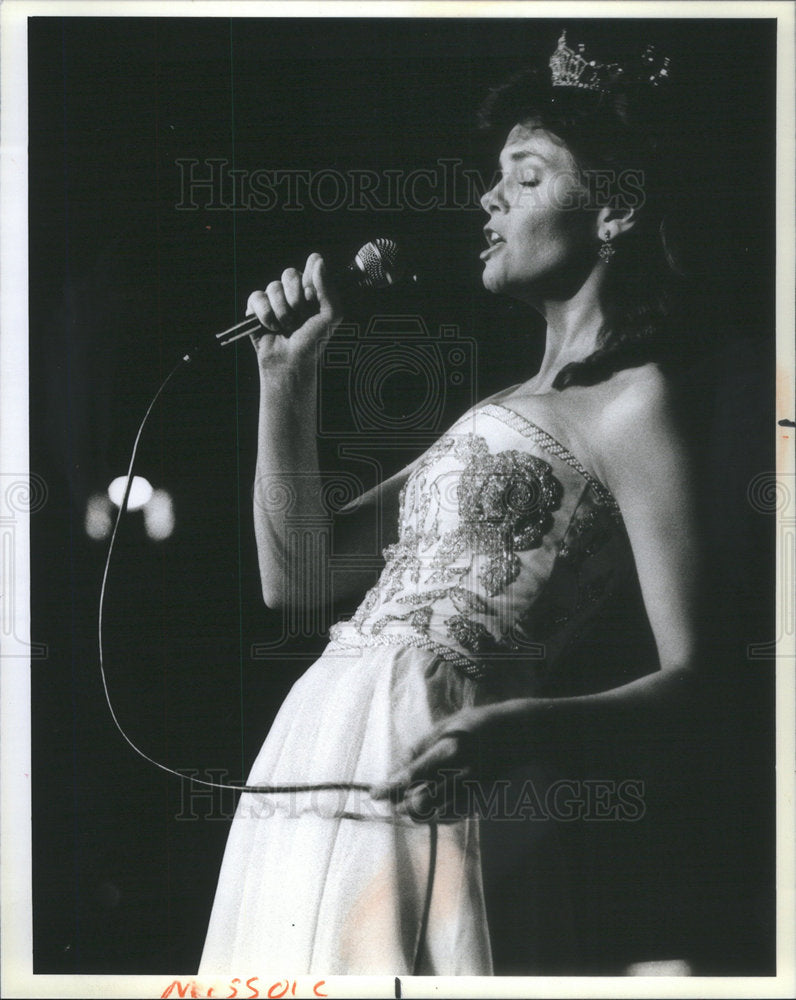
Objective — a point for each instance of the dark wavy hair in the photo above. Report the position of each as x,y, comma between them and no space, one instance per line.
621,140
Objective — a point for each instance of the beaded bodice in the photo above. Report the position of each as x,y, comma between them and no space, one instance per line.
507,547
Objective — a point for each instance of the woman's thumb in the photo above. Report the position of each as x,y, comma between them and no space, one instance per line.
328,297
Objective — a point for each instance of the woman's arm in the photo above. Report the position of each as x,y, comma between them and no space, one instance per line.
291,521
287,477
645,464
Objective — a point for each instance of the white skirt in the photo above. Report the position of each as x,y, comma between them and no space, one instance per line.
332,882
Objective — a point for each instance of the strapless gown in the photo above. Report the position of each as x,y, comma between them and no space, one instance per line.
509,557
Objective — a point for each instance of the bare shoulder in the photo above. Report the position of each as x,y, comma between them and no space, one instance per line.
623,429
636,430
636,399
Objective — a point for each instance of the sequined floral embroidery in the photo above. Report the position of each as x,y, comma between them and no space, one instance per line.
585,537
505,506
466,515
470,634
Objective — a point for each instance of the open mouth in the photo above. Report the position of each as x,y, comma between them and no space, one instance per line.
493,240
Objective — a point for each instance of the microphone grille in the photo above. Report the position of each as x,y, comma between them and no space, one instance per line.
379,260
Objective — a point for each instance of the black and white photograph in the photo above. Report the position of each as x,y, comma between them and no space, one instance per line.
398,500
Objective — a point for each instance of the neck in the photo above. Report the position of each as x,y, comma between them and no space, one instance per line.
573,328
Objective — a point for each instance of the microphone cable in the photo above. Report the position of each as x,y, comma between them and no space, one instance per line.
253,789
263,789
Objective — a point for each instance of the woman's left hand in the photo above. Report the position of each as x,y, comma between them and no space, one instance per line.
448,765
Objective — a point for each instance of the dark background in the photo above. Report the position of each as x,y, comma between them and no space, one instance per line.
122,282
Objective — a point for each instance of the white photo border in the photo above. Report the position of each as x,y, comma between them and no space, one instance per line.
18,979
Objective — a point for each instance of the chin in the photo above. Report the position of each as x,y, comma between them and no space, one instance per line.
499,284
493,280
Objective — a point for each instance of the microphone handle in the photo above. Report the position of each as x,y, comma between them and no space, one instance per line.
346,279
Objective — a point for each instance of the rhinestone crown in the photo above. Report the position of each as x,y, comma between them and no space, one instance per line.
572,69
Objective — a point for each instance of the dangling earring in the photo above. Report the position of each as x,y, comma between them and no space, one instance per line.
607,249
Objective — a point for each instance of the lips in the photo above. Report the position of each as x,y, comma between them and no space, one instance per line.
494,241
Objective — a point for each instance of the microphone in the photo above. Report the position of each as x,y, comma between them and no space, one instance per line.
377,264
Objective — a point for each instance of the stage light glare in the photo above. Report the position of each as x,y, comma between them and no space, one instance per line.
159,516
140,492
98,522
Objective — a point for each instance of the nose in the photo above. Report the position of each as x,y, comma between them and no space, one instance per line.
494,199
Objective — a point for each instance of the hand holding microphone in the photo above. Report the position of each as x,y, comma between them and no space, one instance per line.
377,264
288,307
290,318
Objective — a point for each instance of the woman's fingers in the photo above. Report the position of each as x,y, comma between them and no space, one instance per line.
422,802
286,304
279,304
259,305
443,753
437,784
444,795
298,313
308,284
293,290
430,739
442,760
327,297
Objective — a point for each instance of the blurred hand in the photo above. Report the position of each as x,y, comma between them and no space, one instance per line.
436,783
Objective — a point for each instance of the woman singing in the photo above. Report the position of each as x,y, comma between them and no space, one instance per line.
541,582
